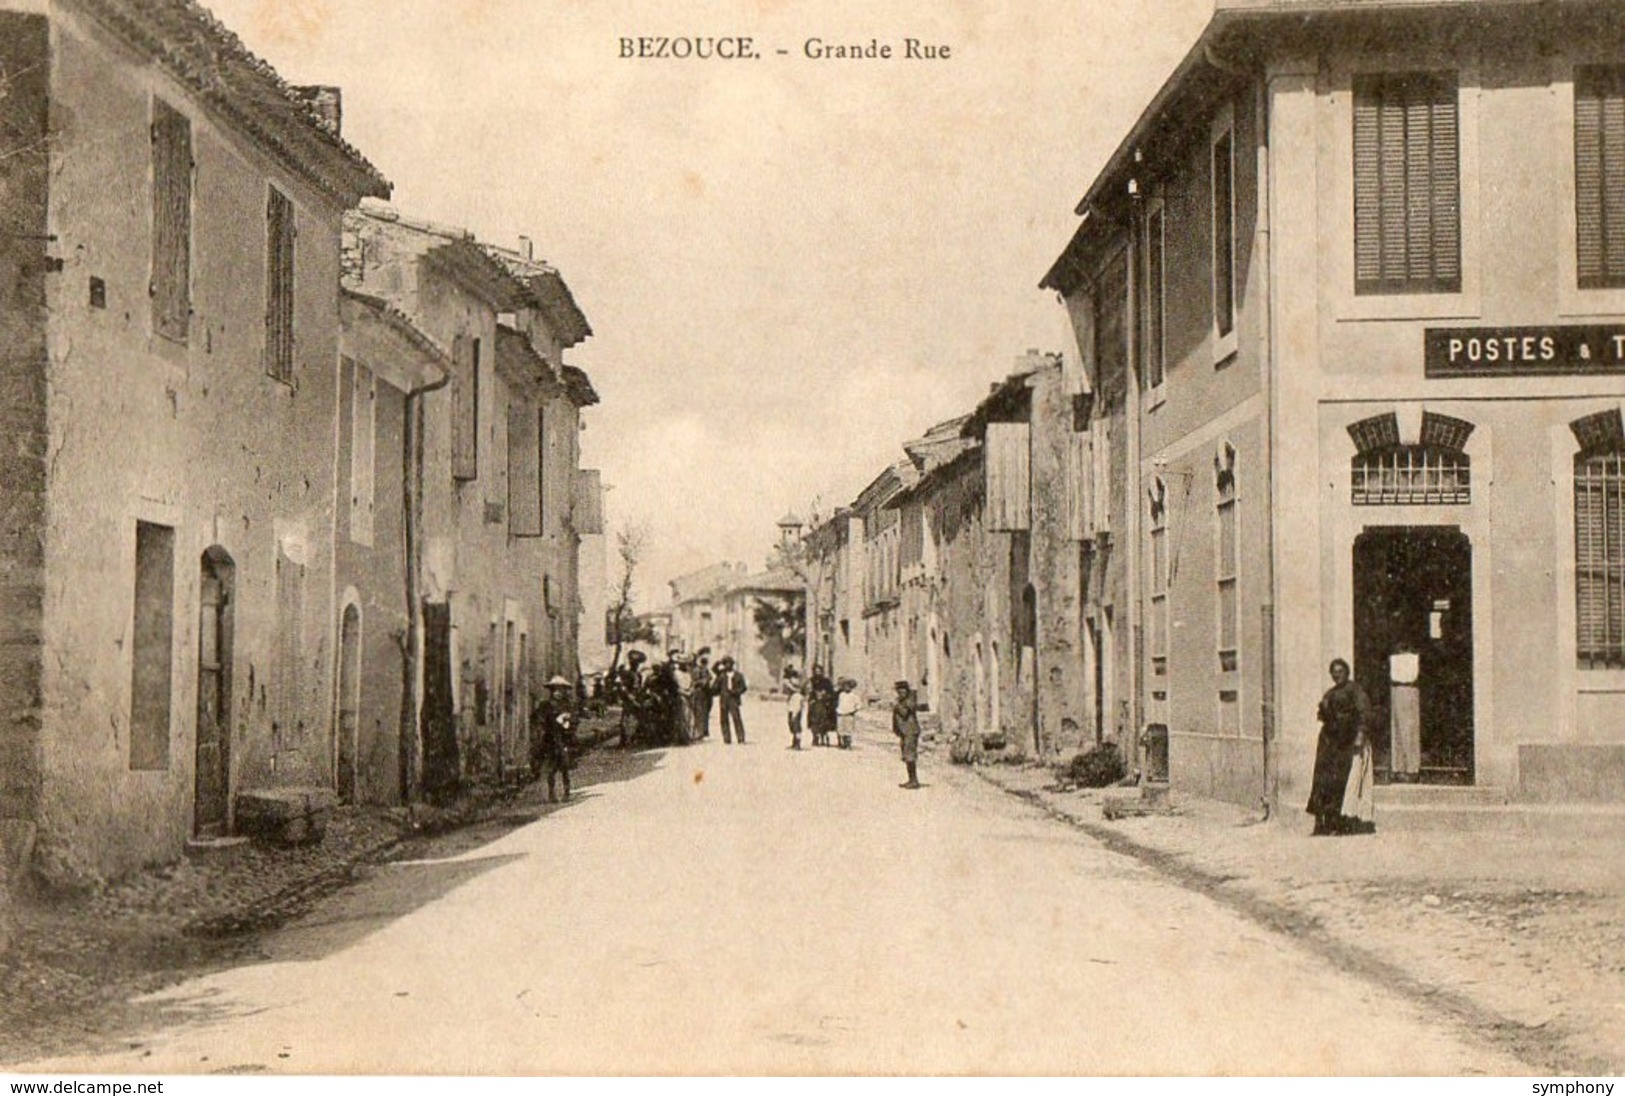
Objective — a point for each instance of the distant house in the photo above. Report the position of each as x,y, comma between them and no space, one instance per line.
717,607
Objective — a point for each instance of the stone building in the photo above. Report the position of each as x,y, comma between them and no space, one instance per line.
883,633
1360,264
170,352
833,551
716,607
496,449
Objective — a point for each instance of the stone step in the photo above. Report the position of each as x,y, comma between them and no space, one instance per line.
285,816
1579,821
1440,795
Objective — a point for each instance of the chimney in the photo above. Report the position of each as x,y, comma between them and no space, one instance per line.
527,248
326,101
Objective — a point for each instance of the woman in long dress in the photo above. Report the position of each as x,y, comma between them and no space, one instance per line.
1345,713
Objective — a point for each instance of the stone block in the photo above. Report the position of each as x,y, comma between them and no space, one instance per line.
285,816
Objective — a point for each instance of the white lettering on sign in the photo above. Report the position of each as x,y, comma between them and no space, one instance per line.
1509,348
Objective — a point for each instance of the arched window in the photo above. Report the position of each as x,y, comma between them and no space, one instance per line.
1599,540
1435,471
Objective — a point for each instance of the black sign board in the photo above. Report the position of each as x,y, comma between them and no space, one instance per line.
1524,351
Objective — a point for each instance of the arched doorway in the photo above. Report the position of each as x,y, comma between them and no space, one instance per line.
348,704
213,733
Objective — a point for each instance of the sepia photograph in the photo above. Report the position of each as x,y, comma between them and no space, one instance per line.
812,538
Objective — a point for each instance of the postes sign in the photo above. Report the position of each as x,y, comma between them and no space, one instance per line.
1524,351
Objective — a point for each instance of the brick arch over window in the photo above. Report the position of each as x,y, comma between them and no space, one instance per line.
1387,472
1599,540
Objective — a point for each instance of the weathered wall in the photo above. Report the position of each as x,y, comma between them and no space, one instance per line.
1062,686
205,442
24,188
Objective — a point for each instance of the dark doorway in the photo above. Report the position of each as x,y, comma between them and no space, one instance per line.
348,706
440,757
1413,595
213,776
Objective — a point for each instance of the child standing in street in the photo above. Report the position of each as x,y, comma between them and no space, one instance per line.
905,724
847,703
795,703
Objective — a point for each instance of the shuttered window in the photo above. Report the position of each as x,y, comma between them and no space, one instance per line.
1407,184
1155,340
465,408
1080,476
1224,233
279,237
1599,175
1007,479
363,452
1159,578
1111,331
587,514
1599,557
171,285
524,472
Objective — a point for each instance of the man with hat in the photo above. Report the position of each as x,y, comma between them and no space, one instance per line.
729,687
553,736
702,692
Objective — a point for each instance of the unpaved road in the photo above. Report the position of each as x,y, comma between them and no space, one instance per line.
749,909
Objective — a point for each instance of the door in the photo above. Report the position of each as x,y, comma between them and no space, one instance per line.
213,737
1413,597
348,705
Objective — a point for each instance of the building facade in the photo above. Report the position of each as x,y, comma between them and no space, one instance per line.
1363,258
172,264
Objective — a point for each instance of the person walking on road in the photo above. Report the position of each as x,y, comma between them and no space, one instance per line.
795,703
557,738
1345,716
905,724
729,687
847,704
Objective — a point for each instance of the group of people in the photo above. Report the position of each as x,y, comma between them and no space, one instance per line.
830,708
669,703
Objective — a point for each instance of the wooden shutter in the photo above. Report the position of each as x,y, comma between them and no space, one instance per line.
363,453
465,402
1080,472
1599,176
524,470
1007,477
171,222
1407,186
589,502
1101,485
279,235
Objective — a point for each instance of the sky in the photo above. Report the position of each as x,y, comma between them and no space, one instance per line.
791,266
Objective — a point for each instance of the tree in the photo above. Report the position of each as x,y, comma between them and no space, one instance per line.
781,625
630,543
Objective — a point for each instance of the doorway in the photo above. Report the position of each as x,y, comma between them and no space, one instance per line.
1413,598
349,704
213,737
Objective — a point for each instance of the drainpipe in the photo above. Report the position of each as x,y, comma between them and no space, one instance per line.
1133,403
1267,368
411,729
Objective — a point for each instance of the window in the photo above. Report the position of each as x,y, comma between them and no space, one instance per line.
1227,562
1433,472
1224,232
1407,185
279,234
1159,578
465,402
1599,541
1111,331
171,285
1155,339
363,452
1599,176
152,646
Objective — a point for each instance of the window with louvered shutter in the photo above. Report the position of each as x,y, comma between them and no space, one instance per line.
279,236
524,471
465,408
170,288
1224,233
1155,339
1407,184
1599,557
1599,176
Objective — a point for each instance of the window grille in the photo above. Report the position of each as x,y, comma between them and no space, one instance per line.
1412,475
1599,557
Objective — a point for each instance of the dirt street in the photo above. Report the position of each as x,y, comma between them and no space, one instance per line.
752,909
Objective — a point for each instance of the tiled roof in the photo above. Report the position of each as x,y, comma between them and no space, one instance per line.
579,386
196,48
552,295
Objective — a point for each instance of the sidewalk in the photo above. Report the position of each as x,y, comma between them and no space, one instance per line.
1519,933
75,959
